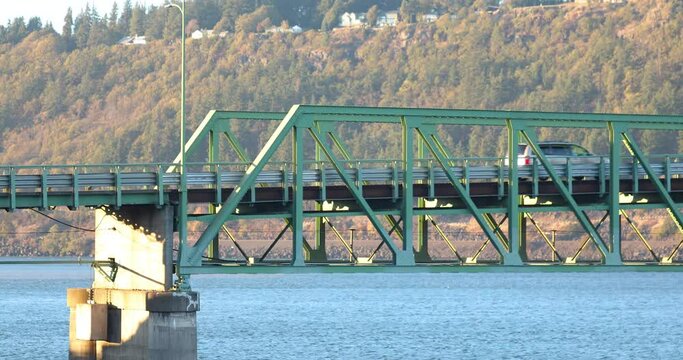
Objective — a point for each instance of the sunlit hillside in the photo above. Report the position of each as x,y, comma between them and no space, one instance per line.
65,101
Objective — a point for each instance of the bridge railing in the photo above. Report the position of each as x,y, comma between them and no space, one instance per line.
155,177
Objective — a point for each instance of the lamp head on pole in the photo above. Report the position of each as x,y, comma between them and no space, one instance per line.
172,5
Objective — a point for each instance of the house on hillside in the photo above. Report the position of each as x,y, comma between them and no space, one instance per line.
200,34
296,29
429,17
133,40
389,18
352,20
207,34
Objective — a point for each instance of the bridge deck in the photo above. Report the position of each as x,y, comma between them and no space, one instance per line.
43,187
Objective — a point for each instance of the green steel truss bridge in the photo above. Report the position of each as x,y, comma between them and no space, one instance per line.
306,171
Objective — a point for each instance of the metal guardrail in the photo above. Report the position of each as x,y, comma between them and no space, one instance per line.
20,180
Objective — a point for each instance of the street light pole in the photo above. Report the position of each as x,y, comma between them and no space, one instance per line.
182,206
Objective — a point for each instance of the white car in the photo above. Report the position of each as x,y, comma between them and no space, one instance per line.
558,153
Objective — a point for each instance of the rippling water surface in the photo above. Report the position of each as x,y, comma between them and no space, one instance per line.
420,315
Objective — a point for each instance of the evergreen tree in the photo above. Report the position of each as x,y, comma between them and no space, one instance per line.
16,31
82,27
34,24
125,19
137,21
67,31
113,16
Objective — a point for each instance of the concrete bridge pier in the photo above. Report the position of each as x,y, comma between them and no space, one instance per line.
130,312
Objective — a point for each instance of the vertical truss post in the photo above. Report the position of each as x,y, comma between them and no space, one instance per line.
516,252
522,237
613,257
422,246
406,255
319,254
44,189
214,248
298,197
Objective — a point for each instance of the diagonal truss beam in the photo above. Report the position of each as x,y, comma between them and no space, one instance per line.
358,196
443,236
566,194
573,259
394,226
640,236
441,154
473,259
193,255
672,209
407,245
544,236
341,238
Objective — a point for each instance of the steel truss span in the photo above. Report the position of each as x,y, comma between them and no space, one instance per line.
305,170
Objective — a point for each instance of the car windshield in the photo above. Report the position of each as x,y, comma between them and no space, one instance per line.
556,149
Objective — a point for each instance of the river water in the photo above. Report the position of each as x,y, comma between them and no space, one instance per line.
591,313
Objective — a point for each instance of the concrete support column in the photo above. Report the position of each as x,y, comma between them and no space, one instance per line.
129,313
132,324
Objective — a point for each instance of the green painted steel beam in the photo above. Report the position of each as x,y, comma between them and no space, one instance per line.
513,198
672,208
129,197
210,123
298,258
614,256
564,191
431,141
248,115
192,144
213,250
407,255
194,255
85,199
358,196
340,146
345,268
443,115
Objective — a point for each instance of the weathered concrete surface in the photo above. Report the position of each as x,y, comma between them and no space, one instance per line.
154,301
140,324
140,240
91,321
143,319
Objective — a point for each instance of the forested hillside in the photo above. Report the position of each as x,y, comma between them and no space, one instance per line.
64,99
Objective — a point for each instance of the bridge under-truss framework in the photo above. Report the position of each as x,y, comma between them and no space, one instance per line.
305,170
